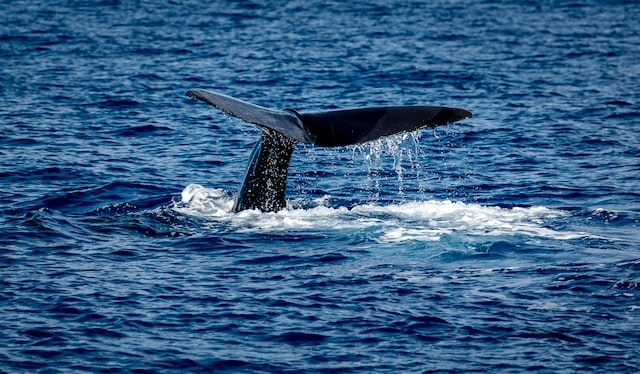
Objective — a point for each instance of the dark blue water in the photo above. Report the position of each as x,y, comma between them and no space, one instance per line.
504,243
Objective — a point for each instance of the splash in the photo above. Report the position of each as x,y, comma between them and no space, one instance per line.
405,151
420,221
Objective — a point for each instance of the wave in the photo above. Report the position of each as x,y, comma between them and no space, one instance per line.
429,220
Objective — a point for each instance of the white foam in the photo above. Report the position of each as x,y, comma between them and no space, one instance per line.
201,201
412,221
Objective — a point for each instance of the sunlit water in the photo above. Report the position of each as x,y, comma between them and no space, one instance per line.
503,243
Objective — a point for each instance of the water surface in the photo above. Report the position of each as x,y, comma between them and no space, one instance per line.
503,243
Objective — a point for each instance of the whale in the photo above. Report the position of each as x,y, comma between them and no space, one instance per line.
265,180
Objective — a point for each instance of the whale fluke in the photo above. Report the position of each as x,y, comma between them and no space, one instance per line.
355,126
265,181
284,122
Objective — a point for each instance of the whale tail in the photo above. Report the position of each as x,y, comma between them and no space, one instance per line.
265,180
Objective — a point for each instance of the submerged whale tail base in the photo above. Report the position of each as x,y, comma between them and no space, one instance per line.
265,181
266,177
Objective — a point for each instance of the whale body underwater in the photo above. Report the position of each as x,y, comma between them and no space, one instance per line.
265,180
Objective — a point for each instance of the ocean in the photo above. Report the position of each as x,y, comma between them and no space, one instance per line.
506,242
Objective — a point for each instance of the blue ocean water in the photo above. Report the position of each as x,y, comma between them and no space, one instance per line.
503,243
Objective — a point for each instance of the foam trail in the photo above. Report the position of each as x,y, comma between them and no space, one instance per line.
412,221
